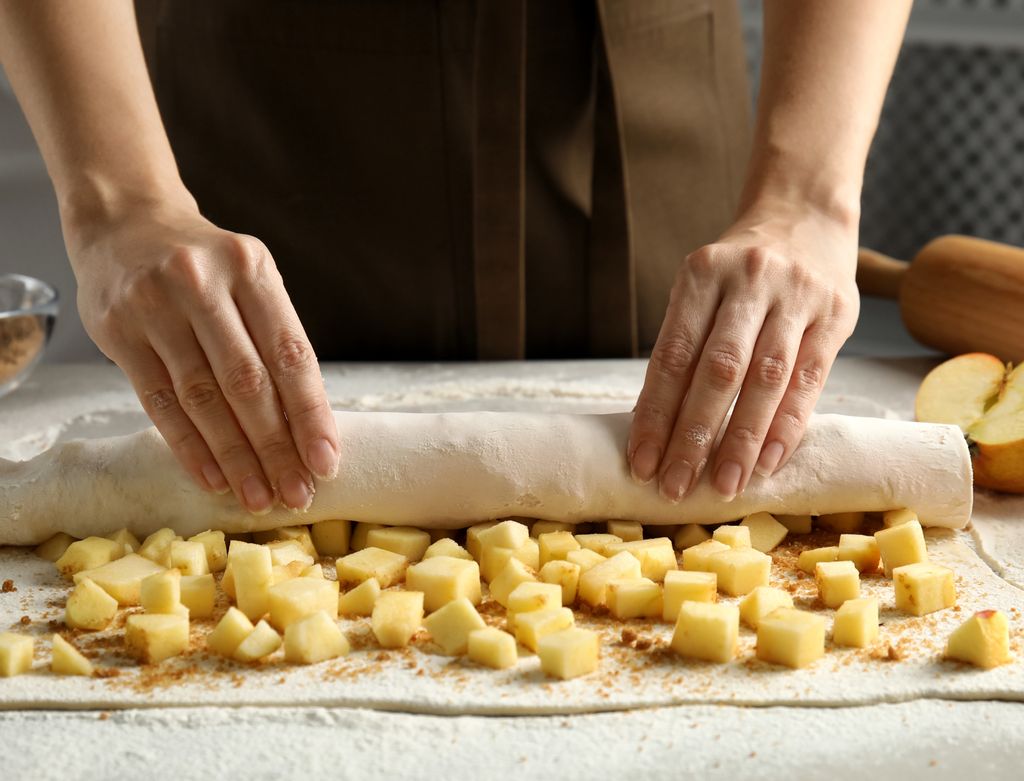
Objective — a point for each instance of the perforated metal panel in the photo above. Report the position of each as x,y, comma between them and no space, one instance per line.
949,153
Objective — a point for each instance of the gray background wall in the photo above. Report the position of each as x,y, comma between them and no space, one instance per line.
949,158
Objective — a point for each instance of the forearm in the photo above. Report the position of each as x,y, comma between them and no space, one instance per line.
79,74
825,71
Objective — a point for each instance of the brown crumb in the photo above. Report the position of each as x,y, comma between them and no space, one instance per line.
104,716
628,637
643,643
893,654
106,672
25,620
8,586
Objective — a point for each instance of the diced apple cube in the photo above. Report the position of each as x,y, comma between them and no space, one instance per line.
842,523
315,571
900,545
762,601
447,547
627,531
569,653
451,625
584,558
796,524
810,558
65,659
740,570
982,640
295,599
360,600
473,537
161,592
837,582
403,540
54,548
122,578
656,556
597,542
683,586
515,572
733,535
531,595
198,594
189,557
157,547
153,637
565,575
16,653
493,559
89,607
892,518
634,598
765,532
698,557
90,553
125,539
546,527
284,553
262,641
216,548
856,623
331,538
923,588
252,572
227,582
492,648
397,615
360,532
791,637
594,582
229,633
531,627
706,630
299,534
861,549
443,579
690,534
555,545
507,534
384,566
315,638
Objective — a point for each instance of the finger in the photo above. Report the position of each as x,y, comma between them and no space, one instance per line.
716,380
767,377
250,391
817,353
200,396
155,390
287,353
687,322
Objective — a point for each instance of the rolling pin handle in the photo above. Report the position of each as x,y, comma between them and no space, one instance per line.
879,275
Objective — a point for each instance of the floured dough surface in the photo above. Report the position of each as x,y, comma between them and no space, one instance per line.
904,664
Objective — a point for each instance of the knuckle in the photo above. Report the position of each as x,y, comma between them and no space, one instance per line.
185,267
791,419
199,396
746,435
292,354
772,370
248,380
810,377
756,262
248,254
277,448
725,365
235,454
672,357
159,402
700,262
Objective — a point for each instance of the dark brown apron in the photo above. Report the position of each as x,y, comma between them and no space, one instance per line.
453,179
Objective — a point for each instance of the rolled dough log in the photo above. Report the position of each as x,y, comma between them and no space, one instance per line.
450,470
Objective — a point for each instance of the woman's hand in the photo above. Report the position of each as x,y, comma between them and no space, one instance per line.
199,320
761,313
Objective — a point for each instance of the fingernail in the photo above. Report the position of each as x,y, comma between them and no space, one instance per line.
675,482
323,459
257,494
215,479
727,479
770,457
295,491
645,462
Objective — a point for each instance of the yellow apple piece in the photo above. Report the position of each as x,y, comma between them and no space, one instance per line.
762,601
554,546
837,582
299,534
315,638
403,540
594,582
900,545
450,626
531,627
494,558
733,535
565,575
708,631
698,558
546,527
690,534
892,518
796,524
360,531
285,552
331,538
842,523
157,547
861,549
635,598
189,557
281,573
360,600
584,558
313,571
515,572
790,637
533,595
598,543
492,648
216,547
295,599
88,554
740,570
447,547
198,593
765,532
122,578
685,586
384,566
982,640
229,633
809,559
262,641
923,588
252,574
89,607
153,637
161,592
507,534
443,579
54,548
16,652
65,659
656,555
569,653
125,539
856,623
473,537
627,531
397,616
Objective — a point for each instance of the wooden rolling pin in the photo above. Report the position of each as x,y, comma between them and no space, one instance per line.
959,295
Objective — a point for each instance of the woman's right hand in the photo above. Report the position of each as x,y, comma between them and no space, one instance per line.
199,320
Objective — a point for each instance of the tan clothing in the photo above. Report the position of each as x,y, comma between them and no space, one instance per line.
450,179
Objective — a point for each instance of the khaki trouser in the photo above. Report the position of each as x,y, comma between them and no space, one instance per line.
450,179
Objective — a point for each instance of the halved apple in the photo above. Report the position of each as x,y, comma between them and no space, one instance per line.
985,398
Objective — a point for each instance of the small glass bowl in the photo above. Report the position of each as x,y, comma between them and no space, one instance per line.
28,311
